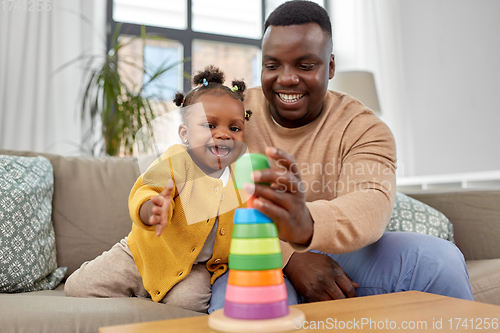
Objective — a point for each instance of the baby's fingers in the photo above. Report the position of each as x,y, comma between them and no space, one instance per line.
167,191
160,208
159,223
159,229
154,219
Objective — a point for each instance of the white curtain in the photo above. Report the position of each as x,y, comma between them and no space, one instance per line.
366,36
39,107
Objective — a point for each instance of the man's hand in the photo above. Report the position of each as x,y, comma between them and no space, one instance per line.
318,277
155,211
284,202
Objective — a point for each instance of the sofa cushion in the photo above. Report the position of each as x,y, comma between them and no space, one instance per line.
412,215
36,312
27,241
475,214
90,205
484,277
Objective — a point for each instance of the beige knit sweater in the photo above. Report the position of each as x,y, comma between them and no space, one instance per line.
347,161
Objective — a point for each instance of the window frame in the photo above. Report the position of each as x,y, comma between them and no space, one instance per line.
183,36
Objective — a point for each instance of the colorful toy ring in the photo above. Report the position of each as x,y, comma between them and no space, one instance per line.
255,278
257,230
250,215
256,311
251,246
255,262
256,295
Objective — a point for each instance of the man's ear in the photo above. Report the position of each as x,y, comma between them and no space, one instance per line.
183,133
331,67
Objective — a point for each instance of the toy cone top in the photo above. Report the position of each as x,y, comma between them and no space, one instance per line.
246,165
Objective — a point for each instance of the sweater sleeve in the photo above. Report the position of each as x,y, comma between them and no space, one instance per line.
365,188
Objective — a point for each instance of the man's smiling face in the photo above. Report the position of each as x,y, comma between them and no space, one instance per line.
296,66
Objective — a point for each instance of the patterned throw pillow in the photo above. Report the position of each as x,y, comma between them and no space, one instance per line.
412,215
27,241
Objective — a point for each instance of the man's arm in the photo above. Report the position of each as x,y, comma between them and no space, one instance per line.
356,217
315,276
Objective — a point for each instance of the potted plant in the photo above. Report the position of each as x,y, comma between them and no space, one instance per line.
116,107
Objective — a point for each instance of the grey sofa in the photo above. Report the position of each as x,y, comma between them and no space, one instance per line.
90,214
475,215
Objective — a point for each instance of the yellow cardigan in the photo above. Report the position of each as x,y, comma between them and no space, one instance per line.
197,200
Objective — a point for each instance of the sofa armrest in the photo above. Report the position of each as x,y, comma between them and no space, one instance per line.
475,215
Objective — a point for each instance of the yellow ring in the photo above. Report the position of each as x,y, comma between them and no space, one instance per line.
255,246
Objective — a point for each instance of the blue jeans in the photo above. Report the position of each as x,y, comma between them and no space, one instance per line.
398,261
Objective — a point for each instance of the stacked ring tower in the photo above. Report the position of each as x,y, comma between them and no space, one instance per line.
256,297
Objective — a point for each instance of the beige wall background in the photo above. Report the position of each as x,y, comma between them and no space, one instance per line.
451,58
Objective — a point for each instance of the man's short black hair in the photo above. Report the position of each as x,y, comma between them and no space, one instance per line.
298,12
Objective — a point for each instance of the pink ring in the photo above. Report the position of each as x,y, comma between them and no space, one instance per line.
256,311
256,295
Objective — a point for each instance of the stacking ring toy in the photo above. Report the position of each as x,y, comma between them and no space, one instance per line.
256,297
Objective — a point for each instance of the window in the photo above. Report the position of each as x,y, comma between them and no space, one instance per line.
158,13
227,17
238,61
163,54
157,54
225,33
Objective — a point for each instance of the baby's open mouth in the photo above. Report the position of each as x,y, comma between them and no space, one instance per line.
219,151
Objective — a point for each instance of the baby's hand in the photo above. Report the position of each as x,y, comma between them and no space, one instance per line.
160,208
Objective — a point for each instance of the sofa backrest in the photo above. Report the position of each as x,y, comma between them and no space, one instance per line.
475,215
90,204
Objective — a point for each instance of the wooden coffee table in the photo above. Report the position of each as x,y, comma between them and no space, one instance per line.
405,311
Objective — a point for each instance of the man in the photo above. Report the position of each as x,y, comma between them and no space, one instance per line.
333,177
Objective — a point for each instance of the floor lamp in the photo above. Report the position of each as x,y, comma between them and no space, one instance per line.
358,84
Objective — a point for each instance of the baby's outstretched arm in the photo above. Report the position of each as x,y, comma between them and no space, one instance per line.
155,211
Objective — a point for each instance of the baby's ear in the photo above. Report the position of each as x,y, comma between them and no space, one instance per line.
183,133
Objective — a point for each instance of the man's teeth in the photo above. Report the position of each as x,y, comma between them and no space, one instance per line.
290,98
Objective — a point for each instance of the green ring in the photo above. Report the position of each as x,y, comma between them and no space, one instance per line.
250,246
255,230
255,262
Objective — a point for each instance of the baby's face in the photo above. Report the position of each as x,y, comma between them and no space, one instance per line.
215,132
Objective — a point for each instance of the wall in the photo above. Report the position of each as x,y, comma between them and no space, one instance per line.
451,58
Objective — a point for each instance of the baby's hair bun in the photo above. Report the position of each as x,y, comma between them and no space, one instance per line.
241,88
210,74
248,114
179,99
